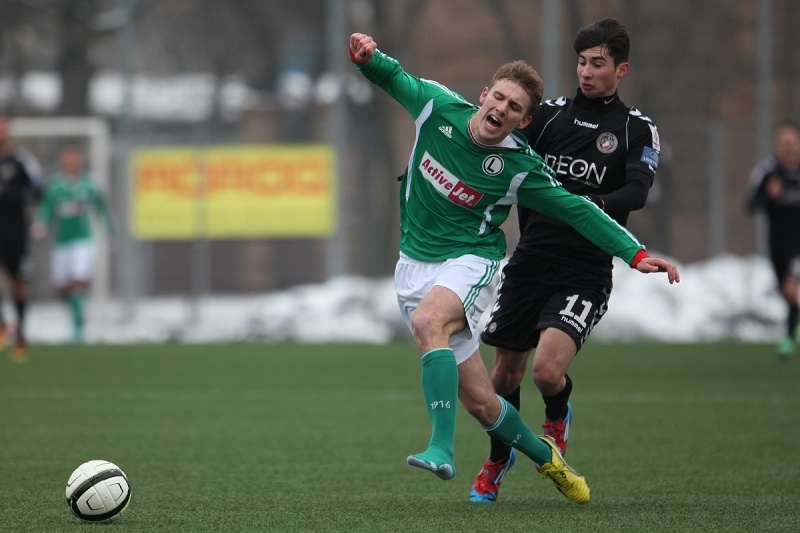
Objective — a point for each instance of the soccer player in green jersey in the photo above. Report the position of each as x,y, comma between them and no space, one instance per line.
467,168
70,196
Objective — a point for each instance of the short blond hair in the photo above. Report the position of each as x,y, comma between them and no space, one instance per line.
525,76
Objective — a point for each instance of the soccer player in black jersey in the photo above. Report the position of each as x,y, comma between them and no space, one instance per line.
20,188
556,285
775,189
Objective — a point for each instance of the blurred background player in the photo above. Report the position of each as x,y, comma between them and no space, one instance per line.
70,196
775,189
556,286
20,189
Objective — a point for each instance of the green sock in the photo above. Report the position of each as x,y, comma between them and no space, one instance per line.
510,429
440,388
76,301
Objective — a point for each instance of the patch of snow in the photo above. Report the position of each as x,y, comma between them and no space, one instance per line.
725,298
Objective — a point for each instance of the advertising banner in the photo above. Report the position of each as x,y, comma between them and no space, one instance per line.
251,191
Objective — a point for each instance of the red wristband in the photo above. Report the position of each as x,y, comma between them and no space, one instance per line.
641,254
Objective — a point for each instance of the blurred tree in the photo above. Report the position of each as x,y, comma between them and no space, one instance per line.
249,39
20,33
74,64
58,35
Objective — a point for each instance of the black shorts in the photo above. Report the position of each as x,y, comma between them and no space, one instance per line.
538,294
782,258
14,254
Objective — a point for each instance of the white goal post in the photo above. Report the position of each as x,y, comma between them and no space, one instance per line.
96,131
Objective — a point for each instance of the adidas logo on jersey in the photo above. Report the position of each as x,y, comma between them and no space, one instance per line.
447,130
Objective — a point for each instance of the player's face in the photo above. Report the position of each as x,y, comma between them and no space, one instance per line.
598,77
71,161
504,107
787,147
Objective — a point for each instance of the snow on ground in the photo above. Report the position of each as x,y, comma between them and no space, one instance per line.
725,298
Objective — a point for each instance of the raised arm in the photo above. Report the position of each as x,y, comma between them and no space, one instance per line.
362,48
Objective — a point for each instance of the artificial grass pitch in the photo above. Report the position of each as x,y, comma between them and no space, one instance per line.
281,437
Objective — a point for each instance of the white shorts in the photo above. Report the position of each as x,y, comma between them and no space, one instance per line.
474,279
72,262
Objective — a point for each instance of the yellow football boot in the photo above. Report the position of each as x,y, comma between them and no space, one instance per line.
568,481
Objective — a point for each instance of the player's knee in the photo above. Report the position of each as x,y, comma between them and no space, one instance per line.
420,323
547,377
789,289
505,379
508,370
424,325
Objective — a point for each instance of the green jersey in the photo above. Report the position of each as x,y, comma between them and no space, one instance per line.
455,194
67,204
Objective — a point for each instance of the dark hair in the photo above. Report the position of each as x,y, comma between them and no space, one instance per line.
526,77
787,123
607,32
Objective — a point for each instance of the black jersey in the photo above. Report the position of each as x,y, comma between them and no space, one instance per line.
782,211
20,185
599,148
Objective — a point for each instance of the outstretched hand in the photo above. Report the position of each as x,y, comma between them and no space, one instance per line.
362,48
657,264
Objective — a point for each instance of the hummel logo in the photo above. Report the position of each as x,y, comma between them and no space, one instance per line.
447,130
586,124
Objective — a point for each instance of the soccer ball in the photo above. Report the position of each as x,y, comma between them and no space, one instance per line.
98,491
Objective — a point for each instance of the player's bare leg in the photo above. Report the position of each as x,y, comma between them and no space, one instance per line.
439,315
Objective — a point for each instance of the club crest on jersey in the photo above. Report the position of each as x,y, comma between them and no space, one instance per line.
447,183
493,165
607,142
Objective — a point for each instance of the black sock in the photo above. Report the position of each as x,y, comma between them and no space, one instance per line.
791,320
555,406
500,450
20,306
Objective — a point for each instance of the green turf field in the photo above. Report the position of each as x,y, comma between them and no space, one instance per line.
252,437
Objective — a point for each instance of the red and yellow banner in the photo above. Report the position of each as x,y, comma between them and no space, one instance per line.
233,192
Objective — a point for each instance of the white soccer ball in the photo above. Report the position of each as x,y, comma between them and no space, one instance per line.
98,491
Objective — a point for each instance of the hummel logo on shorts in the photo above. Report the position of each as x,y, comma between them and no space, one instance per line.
447,130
